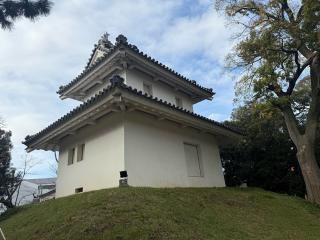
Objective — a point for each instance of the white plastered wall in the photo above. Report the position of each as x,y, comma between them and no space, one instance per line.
103,157
152,151
98,88
135,79
155,157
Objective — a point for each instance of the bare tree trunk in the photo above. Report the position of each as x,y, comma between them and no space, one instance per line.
305,144
310,169
305,141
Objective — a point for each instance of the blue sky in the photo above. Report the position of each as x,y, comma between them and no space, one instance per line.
36,58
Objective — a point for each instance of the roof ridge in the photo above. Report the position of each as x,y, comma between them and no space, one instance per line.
121,40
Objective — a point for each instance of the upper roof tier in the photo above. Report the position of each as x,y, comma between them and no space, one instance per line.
107,59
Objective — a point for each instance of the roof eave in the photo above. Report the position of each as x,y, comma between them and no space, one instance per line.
82,110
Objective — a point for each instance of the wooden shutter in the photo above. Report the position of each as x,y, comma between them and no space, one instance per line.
192,159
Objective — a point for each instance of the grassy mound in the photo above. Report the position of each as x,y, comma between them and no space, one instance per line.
146,213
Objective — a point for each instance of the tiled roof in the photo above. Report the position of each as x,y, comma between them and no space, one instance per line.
117,82
40,181
121,41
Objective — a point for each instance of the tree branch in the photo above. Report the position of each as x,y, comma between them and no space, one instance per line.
276,89
299,15
287,10
291,123
254,9
56,157
304,50
300,69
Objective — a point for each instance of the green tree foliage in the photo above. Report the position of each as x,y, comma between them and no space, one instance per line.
266,157
11,10
279,45
9,178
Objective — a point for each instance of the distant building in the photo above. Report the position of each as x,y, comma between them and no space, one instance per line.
135,125
31,189
46,196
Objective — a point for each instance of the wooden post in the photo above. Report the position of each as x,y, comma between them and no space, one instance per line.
2,234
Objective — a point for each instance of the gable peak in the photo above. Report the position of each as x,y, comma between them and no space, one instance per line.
104,43
103,46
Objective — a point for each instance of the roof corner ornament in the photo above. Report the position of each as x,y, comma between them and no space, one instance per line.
104,43
121,39
116,80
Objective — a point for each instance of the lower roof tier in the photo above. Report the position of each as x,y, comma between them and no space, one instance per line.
119,98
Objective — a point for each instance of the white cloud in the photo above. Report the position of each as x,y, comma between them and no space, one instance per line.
219,117
204,34
36,58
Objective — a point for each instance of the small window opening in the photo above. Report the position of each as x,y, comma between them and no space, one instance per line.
79,190
81,150
71,156
147,88
178,102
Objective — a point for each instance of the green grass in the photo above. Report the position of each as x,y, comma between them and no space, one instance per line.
146,213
